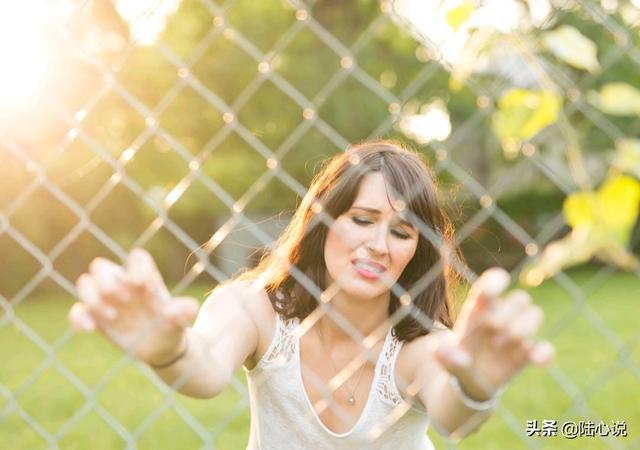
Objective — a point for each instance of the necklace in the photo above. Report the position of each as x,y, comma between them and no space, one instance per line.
351,400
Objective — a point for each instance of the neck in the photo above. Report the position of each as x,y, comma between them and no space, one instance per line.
365,316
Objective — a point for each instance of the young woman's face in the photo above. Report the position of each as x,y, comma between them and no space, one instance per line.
368,246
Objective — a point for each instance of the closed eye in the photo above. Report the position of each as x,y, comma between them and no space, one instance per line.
359,221
400,234
364,222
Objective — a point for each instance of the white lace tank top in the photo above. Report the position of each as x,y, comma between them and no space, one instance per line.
282,416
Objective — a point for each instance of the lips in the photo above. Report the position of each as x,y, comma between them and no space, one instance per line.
367,262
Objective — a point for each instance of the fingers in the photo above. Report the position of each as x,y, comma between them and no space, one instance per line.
515,320
181,311
489,286
89,294
515,323
493,337
483,294
108,287
542,353
144,275
523,327
80,318
513,306
109,279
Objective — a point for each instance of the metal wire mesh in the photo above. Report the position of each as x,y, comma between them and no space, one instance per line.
275,156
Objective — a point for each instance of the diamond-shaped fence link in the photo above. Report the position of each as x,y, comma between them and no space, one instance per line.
186,127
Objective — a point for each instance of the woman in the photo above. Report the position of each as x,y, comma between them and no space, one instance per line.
345,328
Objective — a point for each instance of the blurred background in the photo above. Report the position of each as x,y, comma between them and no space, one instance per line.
192,128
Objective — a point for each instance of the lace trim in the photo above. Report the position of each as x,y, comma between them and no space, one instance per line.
282,347
385,381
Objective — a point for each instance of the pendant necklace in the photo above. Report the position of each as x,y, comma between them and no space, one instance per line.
351,399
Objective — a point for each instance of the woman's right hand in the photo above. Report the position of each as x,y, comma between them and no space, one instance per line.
132,307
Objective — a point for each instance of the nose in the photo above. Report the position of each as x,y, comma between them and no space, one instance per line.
377,241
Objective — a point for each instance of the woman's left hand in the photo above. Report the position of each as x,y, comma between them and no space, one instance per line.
492,338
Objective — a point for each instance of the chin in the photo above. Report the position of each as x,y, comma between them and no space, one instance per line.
364,290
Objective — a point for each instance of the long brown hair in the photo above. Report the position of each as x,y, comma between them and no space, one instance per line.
333,191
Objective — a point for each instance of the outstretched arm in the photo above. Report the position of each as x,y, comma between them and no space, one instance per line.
132,308
490,342
222,338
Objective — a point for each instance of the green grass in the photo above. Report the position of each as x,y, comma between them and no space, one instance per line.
126,394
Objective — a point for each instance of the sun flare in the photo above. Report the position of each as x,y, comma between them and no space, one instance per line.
23,53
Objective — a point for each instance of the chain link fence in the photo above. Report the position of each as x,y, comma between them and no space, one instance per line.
137,138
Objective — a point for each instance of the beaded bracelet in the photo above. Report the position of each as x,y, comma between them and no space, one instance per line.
175,359
474,404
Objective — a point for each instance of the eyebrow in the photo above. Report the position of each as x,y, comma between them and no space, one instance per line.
377,211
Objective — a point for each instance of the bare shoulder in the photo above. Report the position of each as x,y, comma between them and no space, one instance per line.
416,353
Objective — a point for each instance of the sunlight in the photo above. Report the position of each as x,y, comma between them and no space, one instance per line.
23,53
432,124
454,45
146,18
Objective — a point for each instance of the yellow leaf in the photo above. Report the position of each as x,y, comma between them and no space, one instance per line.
611,211
602,223
572,47
460,14
522,113
618,200
578,209
620,99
